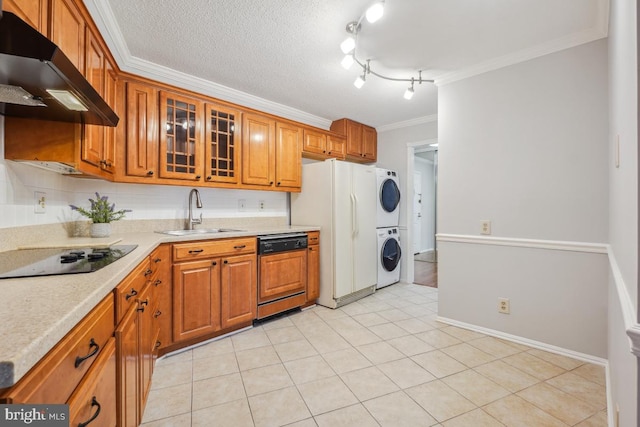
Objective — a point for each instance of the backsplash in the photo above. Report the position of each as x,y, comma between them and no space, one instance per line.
19,184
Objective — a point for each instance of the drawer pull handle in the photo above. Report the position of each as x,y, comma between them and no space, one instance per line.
157,314
239,246
157,260
158,344
148,272
94,402
145,302
196,251
157,282
96,348
133,293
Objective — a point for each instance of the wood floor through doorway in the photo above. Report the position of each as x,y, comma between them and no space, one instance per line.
425,273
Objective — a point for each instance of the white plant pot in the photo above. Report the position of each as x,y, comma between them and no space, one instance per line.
100,229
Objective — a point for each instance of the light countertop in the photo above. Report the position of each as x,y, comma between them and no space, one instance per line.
38,312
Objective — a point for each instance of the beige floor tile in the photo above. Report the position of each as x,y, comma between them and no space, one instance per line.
179,356
310,369
534,366
370,319
398,410
433,306
514,411
167,402
514,344
327,341
346,360
380,352
395,314
281,335
557,403
325,313
231,414
170,374
352,416
309,422
183,420
217,390
410,345
468,355
476,418
355,308
368,383
583,389
326,395
592,372
278,408
213,348
215,366
358,335
463,334
406,373
295,350
374,305
253,338
439,400
597,420
279,322
557,359
438,339
494,347
438,363
507,376
265,379
478,389
414,326
388,331
251,359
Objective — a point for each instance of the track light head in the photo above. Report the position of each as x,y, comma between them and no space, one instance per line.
347,61
360,81
375,12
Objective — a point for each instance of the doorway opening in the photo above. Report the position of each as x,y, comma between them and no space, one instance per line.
425,184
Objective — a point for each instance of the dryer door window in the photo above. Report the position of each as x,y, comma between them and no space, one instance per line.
389,195
390,254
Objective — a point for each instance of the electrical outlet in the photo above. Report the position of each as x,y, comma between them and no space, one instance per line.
485,226
40,202
262,205
242,205
504,306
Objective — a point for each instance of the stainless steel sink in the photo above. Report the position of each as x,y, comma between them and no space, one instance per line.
199,231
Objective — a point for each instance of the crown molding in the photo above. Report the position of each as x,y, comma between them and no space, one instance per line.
572,40
408,123
105,20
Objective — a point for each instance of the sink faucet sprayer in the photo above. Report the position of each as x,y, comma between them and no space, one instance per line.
190,220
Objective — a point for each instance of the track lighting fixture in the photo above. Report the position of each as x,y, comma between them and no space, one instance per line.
349,48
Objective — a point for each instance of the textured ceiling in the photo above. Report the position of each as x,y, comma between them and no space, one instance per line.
287,51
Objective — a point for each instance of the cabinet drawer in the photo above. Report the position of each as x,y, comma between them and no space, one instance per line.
213,248
95,399
130,287
55,377
313,237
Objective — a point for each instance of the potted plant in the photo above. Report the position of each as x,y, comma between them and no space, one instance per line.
101,215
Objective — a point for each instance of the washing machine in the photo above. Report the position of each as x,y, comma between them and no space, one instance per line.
388,198
389,255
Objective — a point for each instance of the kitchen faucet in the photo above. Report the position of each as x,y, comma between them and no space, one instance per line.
190,220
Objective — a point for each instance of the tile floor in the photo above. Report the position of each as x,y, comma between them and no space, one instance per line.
380,361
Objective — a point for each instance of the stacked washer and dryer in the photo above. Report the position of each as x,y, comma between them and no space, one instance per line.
388,230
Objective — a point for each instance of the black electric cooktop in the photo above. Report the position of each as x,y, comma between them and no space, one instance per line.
52,262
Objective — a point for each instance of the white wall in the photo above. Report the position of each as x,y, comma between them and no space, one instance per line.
525,147
623,203
393,146
427,229
18,183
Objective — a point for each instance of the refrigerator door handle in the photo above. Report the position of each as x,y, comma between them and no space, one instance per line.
354,215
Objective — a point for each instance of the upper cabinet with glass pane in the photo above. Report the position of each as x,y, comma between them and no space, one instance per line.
222,143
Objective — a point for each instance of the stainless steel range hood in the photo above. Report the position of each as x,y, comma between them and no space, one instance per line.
33,74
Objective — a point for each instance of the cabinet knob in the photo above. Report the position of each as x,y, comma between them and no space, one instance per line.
329,152
270,182
214,263
148,272
278,184
226,261
198,177
157,282
158,344
209,178
324,151
157,314
149,173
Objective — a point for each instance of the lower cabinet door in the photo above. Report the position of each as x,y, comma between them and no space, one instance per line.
127,344
93,403
239,290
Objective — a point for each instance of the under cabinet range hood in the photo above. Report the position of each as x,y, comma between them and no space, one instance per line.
38,81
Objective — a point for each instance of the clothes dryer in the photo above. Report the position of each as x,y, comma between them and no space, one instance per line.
389,256
388,210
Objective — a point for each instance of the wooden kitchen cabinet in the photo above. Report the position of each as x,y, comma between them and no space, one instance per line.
67,30
33,12
214,287
361,140
321,145
161,279
142,132
313,266
288,160
222,150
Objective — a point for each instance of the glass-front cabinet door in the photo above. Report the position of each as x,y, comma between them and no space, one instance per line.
181,151
222,143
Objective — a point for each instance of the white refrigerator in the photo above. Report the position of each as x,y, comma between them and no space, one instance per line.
340,197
